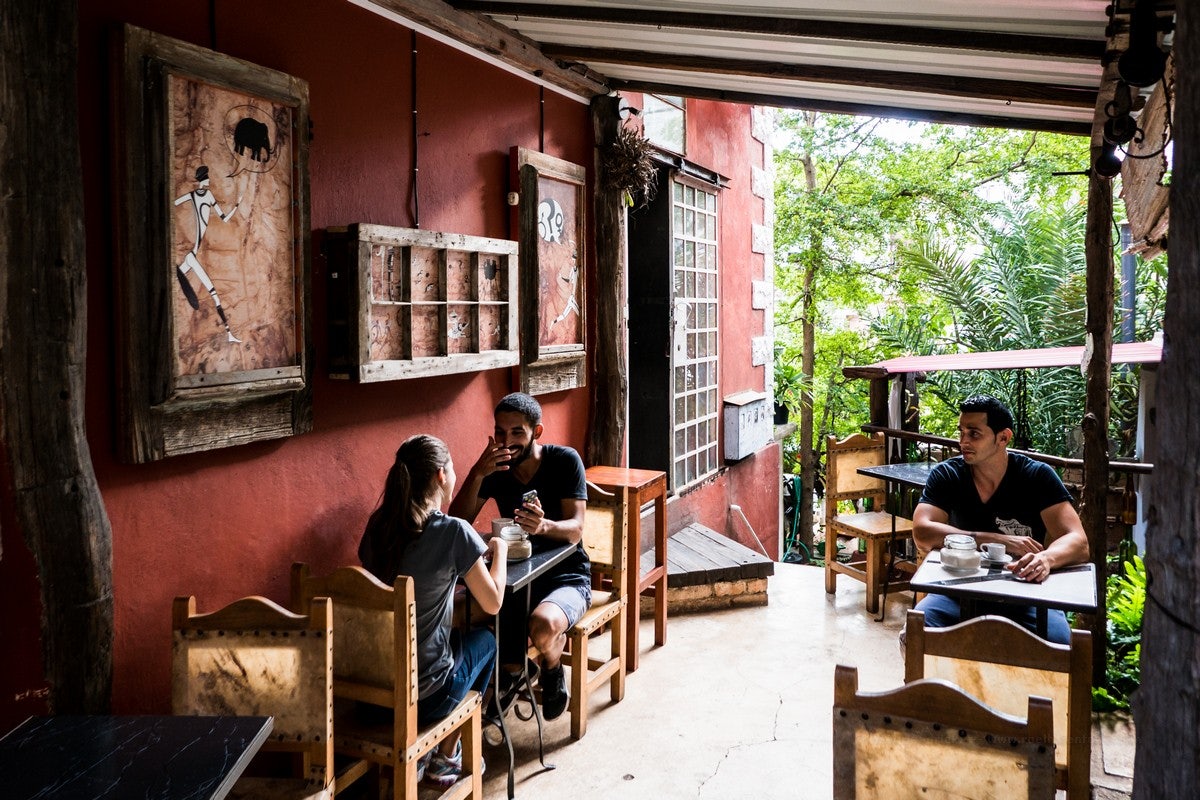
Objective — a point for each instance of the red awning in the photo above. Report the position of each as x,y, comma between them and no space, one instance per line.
1124,353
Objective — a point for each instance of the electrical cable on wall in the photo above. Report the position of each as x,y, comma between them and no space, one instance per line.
541,119
212,24
416,194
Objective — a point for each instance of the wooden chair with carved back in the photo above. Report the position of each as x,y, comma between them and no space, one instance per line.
606,540
255,658
1001,663
931,739
375,663
877,528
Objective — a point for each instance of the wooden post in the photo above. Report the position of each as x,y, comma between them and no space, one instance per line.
1167,712
610,383
43,306
1094,501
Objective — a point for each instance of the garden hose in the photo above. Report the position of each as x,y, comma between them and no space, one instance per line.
791,556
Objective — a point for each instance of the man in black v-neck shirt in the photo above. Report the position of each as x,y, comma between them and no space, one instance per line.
998,496
513,463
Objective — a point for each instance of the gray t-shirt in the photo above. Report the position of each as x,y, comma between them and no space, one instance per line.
443,553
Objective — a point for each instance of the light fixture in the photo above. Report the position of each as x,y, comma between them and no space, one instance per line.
1120,130
625,111
1144,62
1108,164
1120,127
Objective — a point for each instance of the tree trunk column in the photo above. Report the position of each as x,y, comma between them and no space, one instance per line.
610,386
43,344
1167,706
1094,505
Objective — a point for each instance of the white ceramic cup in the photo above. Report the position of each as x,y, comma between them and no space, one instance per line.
993,551
500,524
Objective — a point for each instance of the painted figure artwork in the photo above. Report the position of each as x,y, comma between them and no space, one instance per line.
560,321
231,234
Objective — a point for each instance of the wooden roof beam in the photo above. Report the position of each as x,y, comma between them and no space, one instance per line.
946,85
1049,46
864,109
486,35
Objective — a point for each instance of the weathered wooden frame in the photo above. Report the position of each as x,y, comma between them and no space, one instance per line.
162,412
355,350
549,367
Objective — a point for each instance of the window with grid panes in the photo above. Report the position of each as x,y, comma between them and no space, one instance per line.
696,411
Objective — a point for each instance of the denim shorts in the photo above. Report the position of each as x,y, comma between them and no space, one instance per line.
573,600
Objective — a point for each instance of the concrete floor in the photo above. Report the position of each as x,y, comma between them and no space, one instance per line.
736,705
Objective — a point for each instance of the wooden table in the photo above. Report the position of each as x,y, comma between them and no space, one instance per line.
520,575
644,485
906,475
1068,589
911,475
176,758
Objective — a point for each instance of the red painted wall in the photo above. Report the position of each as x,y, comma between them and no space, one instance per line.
230,522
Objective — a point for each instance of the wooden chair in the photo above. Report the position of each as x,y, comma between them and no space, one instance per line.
930,739
877,528
605,537
375,662
255,658
1001,663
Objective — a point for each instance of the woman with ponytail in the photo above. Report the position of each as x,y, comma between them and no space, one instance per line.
409,535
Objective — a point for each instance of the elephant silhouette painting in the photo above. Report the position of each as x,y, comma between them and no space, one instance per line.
253,136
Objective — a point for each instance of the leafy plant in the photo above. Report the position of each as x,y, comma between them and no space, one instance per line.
1126,600
628,167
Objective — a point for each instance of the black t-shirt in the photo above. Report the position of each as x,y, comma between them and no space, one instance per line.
1028,488
559,477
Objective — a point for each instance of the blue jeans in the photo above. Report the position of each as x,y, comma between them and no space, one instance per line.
942,612
472,672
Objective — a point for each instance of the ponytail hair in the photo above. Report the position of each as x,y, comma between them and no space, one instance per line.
401,514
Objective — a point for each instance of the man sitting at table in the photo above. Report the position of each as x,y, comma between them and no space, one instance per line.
998,496
513,463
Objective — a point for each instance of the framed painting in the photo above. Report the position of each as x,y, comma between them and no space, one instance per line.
212,249
551,217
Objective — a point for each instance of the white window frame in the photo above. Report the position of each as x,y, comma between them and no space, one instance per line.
664,116
695,333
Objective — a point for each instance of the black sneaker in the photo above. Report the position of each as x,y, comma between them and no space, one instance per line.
554,692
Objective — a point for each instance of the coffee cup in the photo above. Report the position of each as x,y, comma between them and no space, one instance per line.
500,524
993,551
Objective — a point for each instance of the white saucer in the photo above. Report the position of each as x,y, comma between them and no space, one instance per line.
997,562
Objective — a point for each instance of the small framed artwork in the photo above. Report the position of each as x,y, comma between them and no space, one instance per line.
212,250
551,217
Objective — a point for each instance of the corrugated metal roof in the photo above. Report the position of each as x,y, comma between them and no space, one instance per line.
1021,63
1123,353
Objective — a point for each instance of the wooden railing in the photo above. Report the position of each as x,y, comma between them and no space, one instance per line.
1115,465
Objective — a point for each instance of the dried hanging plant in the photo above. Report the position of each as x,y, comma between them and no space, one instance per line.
629,168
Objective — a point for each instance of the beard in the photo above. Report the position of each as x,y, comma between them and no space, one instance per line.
519,454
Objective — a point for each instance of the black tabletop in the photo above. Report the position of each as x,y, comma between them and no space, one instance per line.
180,758
521,573
913,475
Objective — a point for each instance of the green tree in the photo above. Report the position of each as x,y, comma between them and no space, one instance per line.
850,193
